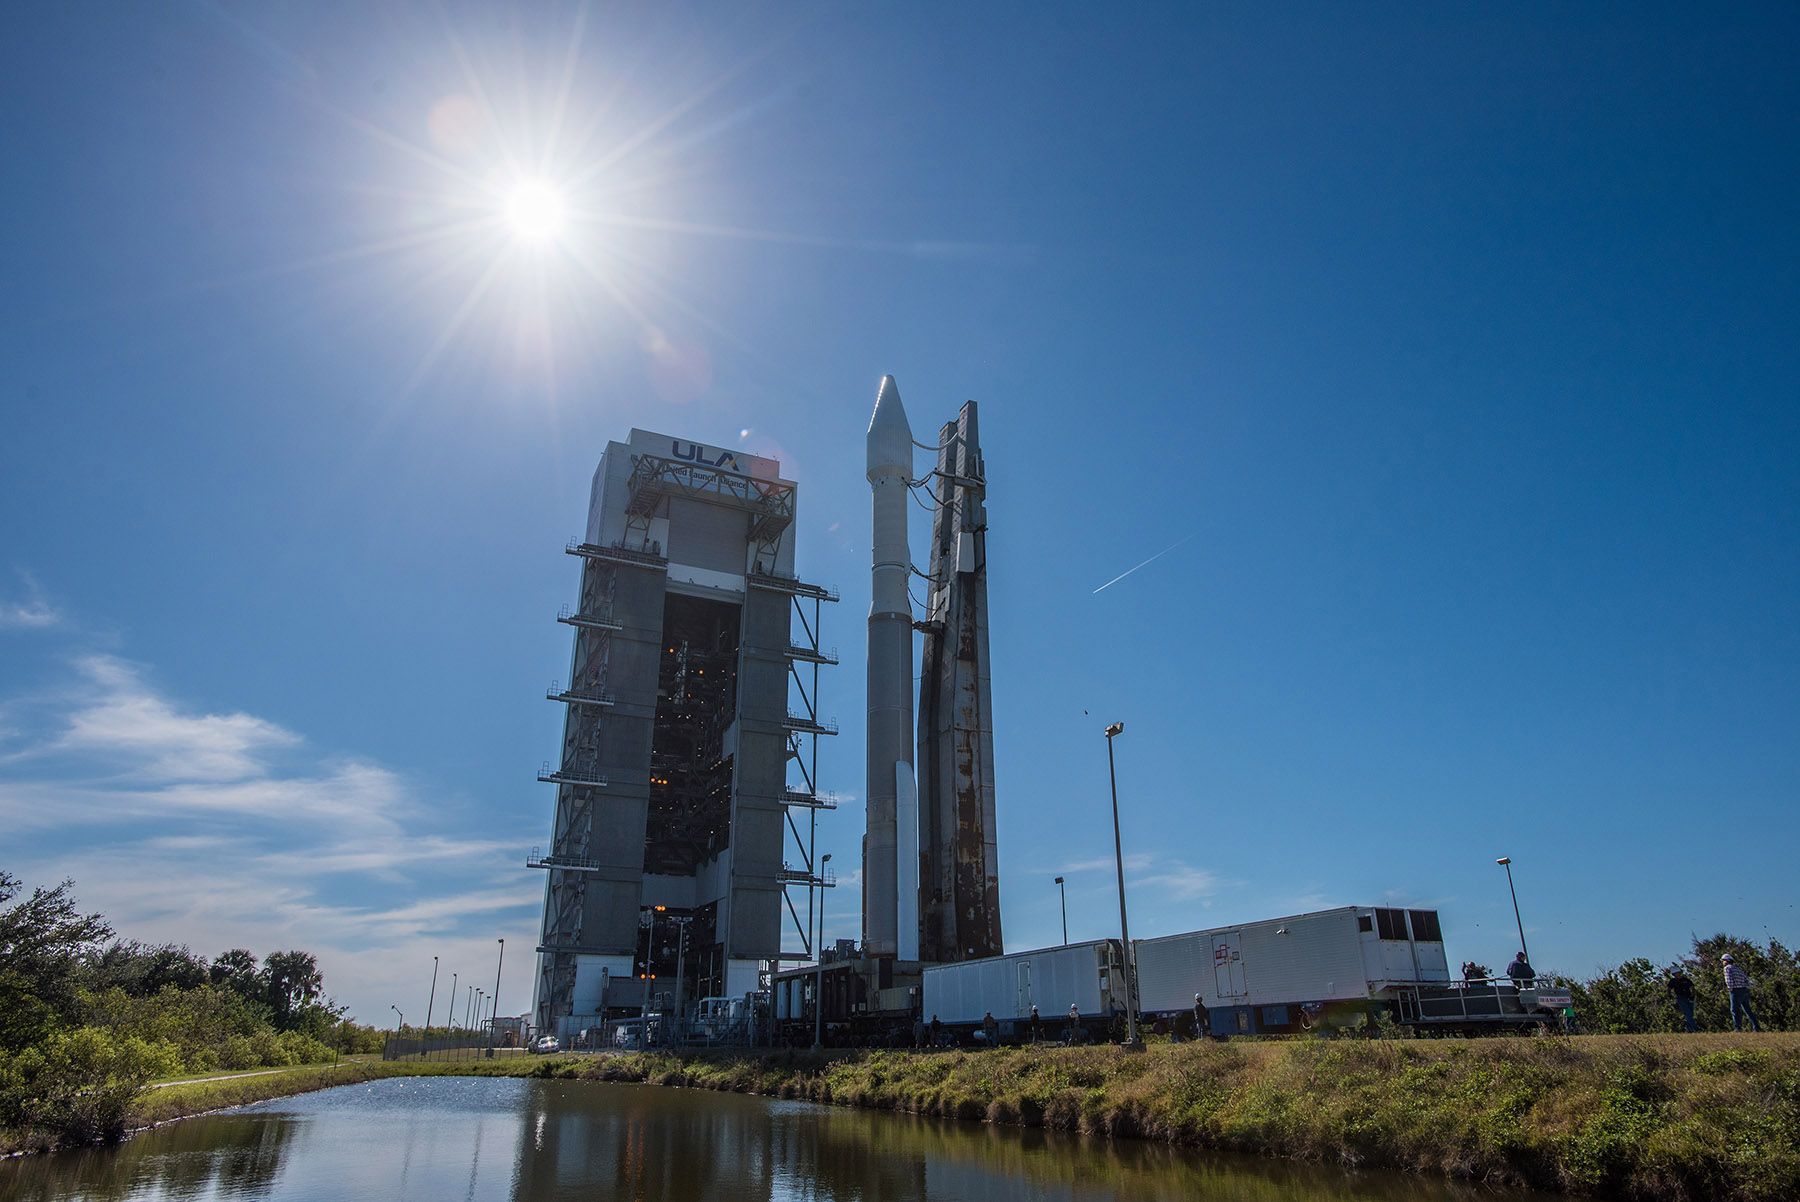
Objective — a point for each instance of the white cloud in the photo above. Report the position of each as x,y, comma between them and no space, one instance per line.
1179,881
35,613
1133,864
220,830
127,719
355,798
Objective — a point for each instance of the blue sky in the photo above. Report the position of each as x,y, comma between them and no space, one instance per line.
1458,344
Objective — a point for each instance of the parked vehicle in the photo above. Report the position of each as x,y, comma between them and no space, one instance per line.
546,1043
631,1033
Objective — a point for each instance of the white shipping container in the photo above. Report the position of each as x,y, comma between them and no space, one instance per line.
1053,978
1345,954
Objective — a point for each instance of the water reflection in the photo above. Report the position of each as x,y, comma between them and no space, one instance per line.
227,1156
467,1139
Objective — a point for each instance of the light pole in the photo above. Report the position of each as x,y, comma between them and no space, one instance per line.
432,1000
1506,863
681,926
1131,1031
649,975
450,1017
1061,889
396,1010
497,967
469,1008
819,993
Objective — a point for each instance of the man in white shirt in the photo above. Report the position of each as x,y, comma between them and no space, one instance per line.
1737,984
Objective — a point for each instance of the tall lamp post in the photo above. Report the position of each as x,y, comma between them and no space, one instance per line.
450,1018
819,993
396,1010
497,968
1506,863
1131,1029
432,1000
1061,889
649,975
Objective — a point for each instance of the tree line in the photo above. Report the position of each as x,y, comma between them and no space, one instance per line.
1634,998
87,1019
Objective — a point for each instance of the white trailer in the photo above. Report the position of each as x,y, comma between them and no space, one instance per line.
1290,974
1085,975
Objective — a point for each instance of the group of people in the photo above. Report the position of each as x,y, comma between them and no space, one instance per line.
1518,972
932,1034
1680,986
1737,991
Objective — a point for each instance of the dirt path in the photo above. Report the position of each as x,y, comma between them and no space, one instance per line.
228,1077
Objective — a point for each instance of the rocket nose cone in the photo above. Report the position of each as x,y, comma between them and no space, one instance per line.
890,441
888,409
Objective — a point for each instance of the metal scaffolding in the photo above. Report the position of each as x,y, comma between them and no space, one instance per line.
578,777
804,728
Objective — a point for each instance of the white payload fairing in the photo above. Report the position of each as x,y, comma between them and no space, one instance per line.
890,847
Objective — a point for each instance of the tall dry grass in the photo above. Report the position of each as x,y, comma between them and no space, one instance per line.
1661,1117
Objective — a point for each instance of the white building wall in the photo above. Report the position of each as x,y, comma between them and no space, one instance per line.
591,975
742,976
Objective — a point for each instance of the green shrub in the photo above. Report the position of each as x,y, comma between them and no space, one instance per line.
304,1049
238,1052
269,1051
78,1084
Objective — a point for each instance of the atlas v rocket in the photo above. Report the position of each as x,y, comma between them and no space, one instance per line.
930,864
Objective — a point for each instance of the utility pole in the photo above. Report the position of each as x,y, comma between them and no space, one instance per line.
681,927
649,975
819,993
1063,889
1506,863
1131,1037
497,988
432,1001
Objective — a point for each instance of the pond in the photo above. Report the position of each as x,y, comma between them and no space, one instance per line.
476,1139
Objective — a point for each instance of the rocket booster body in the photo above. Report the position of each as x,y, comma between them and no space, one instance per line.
887,883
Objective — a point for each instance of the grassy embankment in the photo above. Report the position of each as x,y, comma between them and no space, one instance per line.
1664,1117
1661,1117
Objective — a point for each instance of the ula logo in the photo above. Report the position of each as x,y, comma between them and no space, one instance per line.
697,454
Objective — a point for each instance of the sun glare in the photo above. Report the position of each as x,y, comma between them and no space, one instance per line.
534,210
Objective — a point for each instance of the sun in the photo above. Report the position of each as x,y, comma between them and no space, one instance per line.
535,211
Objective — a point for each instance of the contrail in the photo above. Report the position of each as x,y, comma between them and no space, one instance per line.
1153,558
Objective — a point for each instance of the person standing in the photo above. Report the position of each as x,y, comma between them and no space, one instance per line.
1202,1020
1681,987
1737,984
1074,1024
1036,1026
937,1032
990,1030
1520,970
